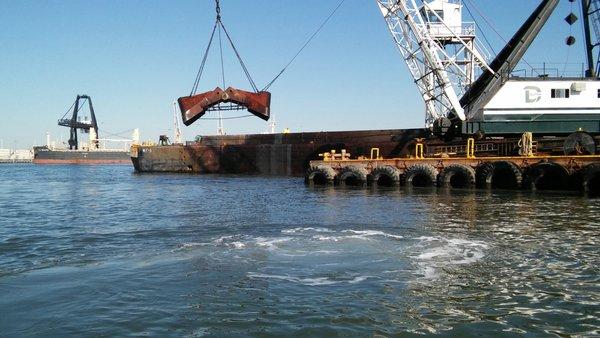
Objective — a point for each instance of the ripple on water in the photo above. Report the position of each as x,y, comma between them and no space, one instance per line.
189,255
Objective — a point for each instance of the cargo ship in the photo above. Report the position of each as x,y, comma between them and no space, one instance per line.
94,151
46,155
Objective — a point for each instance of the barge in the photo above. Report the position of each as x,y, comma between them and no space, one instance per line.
528,171
266,154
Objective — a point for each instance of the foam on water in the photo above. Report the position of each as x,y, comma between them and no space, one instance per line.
368,233
271,243
304,230
191,245
295,239
433,254
350,234
310,281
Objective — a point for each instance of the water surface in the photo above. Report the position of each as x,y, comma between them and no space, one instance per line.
99,250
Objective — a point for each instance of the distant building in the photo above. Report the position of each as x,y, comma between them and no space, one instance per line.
16,155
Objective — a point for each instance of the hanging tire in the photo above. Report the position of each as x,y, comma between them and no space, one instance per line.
546,176
457,176
591,180
499,175
320,175
352,175
385,176
579,143
421,175
484,175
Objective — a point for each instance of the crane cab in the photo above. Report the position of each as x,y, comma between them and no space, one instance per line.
443,19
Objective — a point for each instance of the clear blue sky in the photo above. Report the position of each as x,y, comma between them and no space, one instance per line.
134,57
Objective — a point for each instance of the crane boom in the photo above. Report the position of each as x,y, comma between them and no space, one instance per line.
439,49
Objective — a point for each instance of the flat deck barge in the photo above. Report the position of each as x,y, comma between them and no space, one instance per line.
286,154
527,172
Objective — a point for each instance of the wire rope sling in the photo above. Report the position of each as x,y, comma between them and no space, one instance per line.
194,106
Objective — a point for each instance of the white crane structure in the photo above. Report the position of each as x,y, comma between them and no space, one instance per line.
440,50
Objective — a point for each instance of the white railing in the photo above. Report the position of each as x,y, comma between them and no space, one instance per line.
440,30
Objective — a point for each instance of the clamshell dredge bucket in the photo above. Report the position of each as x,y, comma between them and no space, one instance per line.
194,107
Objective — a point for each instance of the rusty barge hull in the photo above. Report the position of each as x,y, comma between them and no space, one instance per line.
268,154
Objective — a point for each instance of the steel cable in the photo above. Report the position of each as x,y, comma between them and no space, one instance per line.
305,44
201,69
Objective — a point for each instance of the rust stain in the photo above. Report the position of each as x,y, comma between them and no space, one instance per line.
194,107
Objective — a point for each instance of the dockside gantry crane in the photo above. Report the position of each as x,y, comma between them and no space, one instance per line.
75,124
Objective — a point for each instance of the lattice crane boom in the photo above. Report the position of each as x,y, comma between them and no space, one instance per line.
438,48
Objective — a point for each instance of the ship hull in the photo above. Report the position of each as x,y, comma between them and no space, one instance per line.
268,154
43,155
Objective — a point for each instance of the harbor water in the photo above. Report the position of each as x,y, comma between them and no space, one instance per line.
102,251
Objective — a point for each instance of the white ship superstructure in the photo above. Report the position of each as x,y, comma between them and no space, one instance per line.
531,100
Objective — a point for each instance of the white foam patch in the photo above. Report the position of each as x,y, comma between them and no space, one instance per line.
426,238
304,230
304,253
359,279
429,272
271,243
314,281
230,242
334,238
238,245
222,240
296,241
241,242
435,253
190,246
363,235
305,281
373,233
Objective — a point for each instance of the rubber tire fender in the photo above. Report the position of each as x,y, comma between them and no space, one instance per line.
387,171
323,170
486,171
445,177
483,175
534,173
427,170
352,171
590,172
